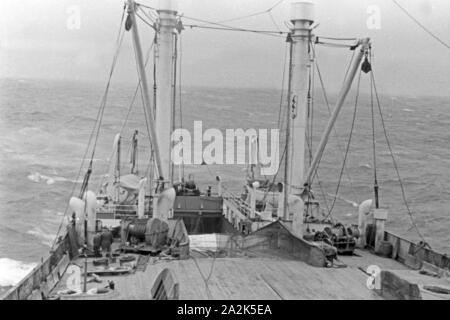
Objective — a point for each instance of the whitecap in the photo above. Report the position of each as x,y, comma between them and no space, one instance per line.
37,177
353,203
45,238
12,271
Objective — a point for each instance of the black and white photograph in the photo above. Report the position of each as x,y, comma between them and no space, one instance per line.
237,151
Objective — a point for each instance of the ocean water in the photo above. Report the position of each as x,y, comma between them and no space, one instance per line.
45,126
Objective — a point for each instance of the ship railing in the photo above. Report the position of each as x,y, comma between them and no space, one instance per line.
242,206
118,209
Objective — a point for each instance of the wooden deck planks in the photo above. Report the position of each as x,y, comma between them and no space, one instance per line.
255,278
249,270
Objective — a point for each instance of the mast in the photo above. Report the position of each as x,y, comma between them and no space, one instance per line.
164,81
363,47
144,85
302,17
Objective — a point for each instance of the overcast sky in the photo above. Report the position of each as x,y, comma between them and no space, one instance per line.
35,42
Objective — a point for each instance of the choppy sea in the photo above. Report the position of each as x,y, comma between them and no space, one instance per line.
45,126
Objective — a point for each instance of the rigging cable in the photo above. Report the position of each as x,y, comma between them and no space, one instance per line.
98,121
180,92
310,97
280,121
220,24
174,90
393,160
148,16
375,186
145,21
310,109
211,269
130,107
146,115
254,14
335,45
421,25
325,96
146,6
227,28
281,110
348,145
273,21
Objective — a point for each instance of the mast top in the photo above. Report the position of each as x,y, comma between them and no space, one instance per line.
302,10
168,5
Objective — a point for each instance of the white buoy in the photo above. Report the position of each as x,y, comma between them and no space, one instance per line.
380,216
164,204
252,198
77,206
280,208
297,207
91,207
363,211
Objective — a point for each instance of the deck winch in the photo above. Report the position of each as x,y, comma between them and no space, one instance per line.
341,237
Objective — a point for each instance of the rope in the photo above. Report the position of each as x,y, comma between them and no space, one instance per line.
174,92
394,161
337,39
310,109
310,97
97,121
143,106
263,32
348,146
421,25
130,107
273,21
267,11
280,111
221,26
211,270
145,21
280,121
208,291
145,6
147,15
325,96
105,96
180,92
373,136
334,45
322,190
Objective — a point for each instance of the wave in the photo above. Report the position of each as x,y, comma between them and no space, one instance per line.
37,177
12,271
353,203
44,237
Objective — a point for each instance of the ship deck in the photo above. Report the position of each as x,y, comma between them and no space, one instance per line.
263,274
270,263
